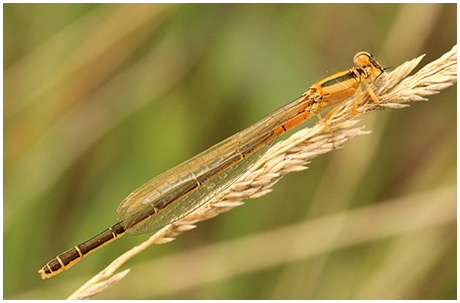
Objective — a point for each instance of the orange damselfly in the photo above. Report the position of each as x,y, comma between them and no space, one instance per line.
182,189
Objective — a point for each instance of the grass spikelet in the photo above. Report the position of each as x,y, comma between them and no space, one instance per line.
296,152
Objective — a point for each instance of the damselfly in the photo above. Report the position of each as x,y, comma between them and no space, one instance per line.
182,189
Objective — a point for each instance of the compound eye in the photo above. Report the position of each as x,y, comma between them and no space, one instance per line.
362,59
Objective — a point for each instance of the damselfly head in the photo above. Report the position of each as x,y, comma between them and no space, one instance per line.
375,71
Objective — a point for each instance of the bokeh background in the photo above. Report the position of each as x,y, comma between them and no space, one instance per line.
100,98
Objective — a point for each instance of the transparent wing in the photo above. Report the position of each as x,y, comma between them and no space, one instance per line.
188,203
180,190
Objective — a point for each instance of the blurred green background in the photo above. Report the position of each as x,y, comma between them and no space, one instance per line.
98,99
